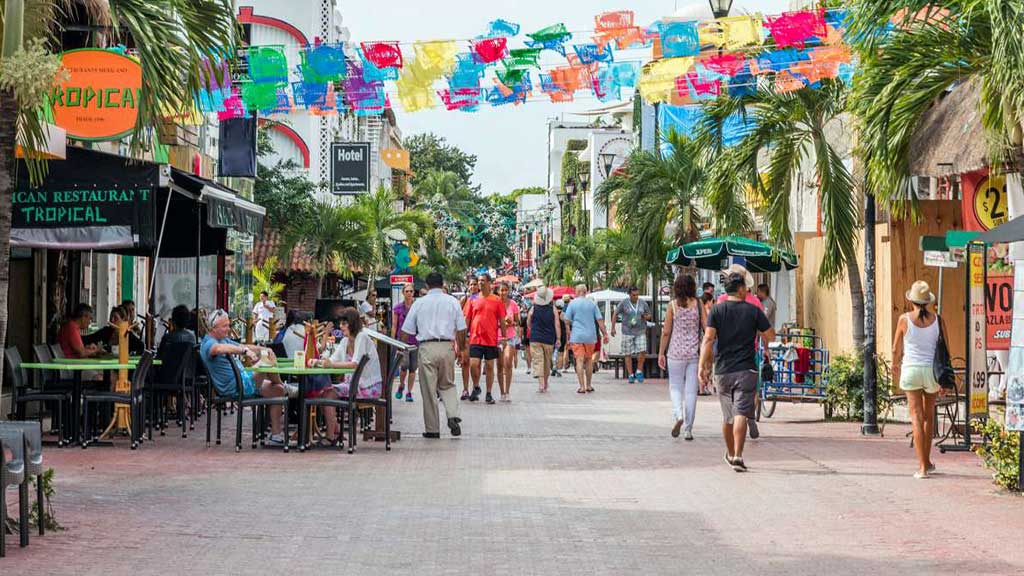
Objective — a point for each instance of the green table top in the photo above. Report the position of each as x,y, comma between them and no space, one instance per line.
102,360
77,366
293,371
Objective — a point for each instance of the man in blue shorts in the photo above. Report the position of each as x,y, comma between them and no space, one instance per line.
218,351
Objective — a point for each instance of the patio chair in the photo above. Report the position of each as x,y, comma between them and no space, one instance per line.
258,404
348,406
133,398
33,432
52,379
174,378
12,473
24,395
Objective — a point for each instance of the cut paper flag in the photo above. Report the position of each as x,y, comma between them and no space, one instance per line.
310,94
264,97
618,27
786,82
742,84
606,87
694,87
371,73
467,73
501,28
437,57
658,78
464,99
551,38
776,61
510,77
726,64
490,50
624,73
323,63
554,91
502,94
590,53
797,28
382,54
233,107
614,21
267,64
416,83
215,79
742,31
679,38
570,78
523,59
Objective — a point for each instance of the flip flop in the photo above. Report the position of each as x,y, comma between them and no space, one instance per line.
581,391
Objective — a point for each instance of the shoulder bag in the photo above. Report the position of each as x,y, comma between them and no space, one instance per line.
942,368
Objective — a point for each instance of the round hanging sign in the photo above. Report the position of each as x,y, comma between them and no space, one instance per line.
101,95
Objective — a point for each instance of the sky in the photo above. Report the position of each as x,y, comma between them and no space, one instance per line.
510,142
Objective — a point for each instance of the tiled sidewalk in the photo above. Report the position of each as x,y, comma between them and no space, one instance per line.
549,484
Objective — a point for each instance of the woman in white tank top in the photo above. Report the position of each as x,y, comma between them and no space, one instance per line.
917,335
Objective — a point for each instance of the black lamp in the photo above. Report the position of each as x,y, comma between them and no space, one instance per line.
585,180
720,8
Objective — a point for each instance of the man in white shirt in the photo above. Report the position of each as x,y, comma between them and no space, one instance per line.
263,311
368,309
437,322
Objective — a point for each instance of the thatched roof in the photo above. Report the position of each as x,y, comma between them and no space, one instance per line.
950,138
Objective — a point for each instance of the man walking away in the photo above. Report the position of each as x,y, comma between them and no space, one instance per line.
545,332
485,317
634,314
437,322
585,321
765,296
734,324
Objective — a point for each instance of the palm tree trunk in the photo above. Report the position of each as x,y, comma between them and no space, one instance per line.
870,364
856,302
8,138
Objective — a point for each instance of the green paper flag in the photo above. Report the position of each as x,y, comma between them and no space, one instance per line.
522,59
552,32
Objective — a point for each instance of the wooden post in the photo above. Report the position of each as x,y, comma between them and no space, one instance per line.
249,324
273,328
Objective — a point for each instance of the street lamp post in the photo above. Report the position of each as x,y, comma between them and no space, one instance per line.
720,8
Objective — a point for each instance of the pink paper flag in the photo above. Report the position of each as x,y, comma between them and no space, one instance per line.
796,28
383,54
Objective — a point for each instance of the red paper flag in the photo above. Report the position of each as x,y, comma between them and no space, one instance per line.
491,49
383,54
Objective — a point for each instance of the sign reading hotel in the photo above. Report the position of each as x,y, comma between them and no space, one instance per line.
350,167
101,96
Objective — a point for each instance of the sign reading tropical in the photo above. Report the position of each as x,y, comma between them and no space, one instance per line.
101,95
60,208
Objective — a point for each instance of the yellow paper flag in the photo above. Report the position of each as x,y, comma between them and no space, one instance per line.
658,78
740,31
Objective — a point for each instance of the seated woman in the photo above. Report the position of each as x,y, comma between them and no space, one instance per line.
107,336
355,343
294,339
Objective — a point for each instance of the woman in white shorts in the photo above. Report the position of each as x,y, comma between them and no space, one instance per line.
913,351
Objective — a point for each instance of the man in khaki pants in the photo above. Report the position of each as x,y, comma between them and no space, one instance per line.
437,322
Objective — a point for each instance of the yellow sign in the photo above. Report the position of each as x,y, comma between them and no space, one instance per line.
990,202
977,261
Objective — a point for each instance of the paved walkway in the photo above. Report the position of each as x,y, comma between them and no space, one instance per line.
549,484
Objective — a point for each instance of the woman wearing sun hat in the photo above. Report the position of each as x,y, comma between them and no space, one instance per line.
913,351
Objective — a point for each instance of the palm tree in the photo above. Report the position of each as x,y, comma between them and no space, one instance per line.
172,37
788,130
334,238
572,260
904,69
658,198
387,225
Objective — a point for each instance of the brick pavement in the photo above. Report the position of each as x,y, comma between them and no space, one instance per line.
555,484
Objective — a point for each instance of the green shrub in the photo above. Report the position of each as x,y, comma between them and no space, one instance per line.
844,391
999,453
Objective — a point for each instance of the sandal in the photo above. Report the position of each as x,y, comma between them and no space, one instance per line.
581,391
589,390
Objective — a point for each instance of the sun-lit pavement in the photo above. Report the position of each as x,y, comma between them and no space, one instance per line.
549,484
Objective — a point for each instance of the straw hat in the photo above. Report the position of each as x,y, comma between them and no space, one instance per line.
544,296
739,269
920,293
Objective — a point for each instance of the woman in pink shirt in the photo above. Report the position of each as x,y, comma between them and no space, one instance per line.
509,341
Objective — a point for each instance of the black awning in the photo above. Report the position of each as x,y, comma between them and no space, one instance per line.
225,209
88,201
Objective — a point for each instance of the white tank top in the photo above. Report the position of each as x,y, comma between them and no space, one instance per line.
919,344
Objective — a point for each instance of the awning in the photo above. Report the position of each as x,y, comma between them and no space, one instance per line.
225,209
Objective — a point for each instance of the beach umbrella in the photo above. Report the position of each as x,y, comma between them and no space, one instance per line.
714,254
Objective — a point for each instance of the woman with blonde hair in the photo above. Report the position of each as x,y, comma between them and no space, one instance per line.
913,353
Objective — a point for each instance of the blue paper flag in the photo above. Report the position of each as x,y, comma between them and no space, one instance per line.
590,53
679,39
501,28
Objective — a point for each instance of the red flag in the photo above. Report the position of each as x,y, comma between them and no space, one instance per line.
491,49
383,54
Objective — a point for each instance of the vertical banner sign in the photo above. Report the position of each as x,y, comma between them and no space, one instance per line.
999,308
350,167
1015,368
976,332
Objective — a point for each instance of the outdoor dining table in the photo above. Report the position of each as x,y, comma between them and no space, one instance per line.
133,360
76,368
301,373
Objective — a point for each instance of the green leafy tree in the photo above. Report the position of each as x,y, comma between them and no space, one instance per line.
386,225
429,152
172,38
263,280
574,259
282,187
336,239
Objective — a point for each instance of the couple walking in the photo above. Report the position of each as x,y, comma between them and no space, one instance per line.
727,340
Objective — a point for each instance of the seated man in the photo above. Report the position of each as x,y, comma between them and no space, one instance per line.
70,336
217,350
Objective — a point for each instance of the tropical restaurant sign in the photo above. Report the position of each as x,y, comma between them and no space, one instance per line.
100,95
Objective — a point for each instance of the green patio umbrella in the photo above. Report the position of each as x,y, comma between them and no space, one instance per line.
713,253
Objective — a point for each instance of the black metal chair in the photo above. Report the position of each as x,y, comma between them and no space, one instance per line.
133,398
258,404
174,378
33,432
24,395
12,473
385,400
348,407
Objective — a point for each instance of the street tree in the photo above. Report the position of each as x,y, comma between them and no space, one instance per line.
386,226
336,239
429,152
